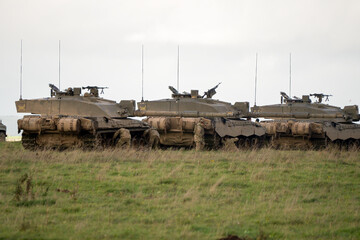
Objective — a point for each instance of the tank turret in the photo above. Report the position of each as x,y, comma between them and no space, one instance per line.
192,105
72,102
72,119
304,108
194,120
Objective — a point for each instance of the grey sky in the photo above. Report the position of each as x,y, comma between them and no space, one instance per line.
101,45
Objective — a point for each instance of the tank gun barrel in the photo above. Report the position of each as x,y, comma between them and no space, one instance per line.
142,113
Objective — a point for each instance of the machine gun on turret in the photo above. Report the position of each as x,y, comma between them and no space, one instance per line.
94,90
211,92
320,96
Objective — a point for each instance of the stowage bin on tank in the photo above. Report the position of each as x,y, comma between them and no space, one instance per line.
193,120
70,119
301,123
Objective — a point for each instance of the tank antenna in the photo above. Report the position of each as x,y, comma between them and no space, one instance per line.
290,78
178,67
21,70
256,76
59,65
142,73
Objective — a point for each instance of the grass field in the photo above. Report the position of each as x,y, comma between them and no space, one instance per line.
129,194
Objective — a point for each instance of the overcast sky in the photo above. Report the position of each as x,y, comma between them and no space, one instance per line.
101,45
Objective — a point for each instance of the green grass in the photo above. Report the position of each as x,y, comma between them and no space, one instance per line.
178,194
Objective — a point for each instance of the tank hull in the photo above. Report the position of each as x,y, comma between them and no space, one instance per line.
190,120
69,119
300,134
208,133
62,132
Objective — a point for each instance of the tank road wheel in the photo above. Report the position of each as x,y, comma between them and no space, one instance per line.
318,143
91,142
343,145
352,145
247,143
340,144
230,144
152,138
137,141
2,137
216,142
327,142
255,143
273,143
134,141
241,143
357,144
122,138
141,142
329,145
334,144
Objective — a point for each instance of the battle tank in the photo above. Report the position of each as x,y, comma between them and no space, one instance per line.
301,123
193,120
70,119
2,132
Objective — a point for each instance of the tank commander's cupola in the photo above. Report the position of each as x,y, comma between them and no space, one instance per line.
286,99
176,94
55,92
194,93
306,99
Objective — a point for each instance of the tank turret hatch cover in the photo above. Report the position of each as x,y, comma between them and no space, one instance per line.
194,93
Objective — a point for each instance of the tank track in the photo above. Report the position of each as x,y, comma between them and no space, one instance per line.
29,141
251,142
318,143
90,141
